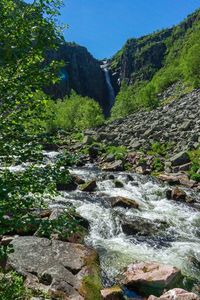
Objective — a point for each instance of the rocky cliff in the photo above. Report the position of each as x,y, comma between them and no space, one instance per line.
81,73
141,58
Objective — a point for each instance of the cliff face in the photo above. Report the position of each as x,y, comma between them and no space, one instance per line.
141,58
81,73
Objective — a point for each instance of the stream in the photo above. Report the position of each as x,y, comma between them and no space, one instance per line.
176,244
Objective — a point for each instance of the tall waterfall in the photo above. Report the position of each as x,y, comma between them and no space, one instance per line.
111,92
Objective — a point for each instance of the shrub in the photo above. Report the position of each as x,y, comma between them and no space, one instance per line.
11,287
75,112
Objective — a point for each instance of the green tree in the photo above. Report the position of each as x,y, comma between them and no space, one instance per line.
75,112
25,36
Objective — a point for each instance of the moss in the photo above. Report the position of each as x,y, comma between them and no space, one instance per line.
91,283
92,287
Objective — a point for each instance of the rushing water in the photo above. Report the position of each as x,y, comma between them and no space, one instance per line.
177,245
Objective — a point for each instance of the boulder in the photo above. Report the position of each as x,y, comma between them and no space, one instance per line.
178,294
94,151
176,194
149,278
68,186
182,168
124,202
89,186
52,266
169,178
180,159
139,226
143,170
113,166
78,180
118,184
113,293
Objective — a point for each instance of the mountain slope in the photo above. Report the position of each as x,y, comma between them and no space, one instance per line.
147,66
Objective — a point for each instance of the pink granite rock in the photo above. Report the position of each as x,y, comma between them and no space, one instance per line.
176,294
150,277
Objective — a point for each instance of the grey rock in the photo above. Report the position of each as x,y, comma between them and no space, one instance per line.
50,265
180,159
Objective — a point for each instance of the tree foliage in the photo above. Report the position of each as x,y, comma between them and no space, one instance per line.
27,32
25,37
75,112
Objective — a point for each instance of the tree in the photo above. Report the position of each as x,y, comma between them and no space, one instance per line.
75,112
25,37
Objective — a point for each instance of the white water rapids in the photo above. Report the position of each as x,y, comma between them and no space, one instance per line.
177,245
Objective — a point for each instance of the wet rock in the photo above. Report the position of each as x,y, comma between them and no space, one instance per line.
178,294
176,194
68,186
89,186
111,177
124,202
118,184
81,220
129,178
180,159
151,278
113,166
113,293
139,226
51,266
78,180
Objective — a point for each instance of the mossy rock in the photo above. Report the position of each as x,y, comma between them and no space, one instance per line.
91,282
89,186
118,184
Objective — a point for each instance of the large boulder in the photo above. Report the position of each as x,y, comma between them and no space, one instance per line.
142,226
176,194
53,267
180,159
178,294
124,202
151,278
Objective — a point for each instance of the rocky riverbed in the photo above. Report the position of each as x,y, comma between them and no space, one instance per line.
139,228
140,233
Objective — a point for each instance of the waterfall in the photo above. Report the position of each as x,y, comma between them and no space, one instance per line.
111,92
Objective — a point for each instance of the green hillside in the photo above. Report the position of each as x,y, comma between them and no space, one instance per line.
150,64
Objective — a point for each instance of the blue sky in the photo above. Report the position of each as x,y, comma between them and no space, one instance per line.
103,26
